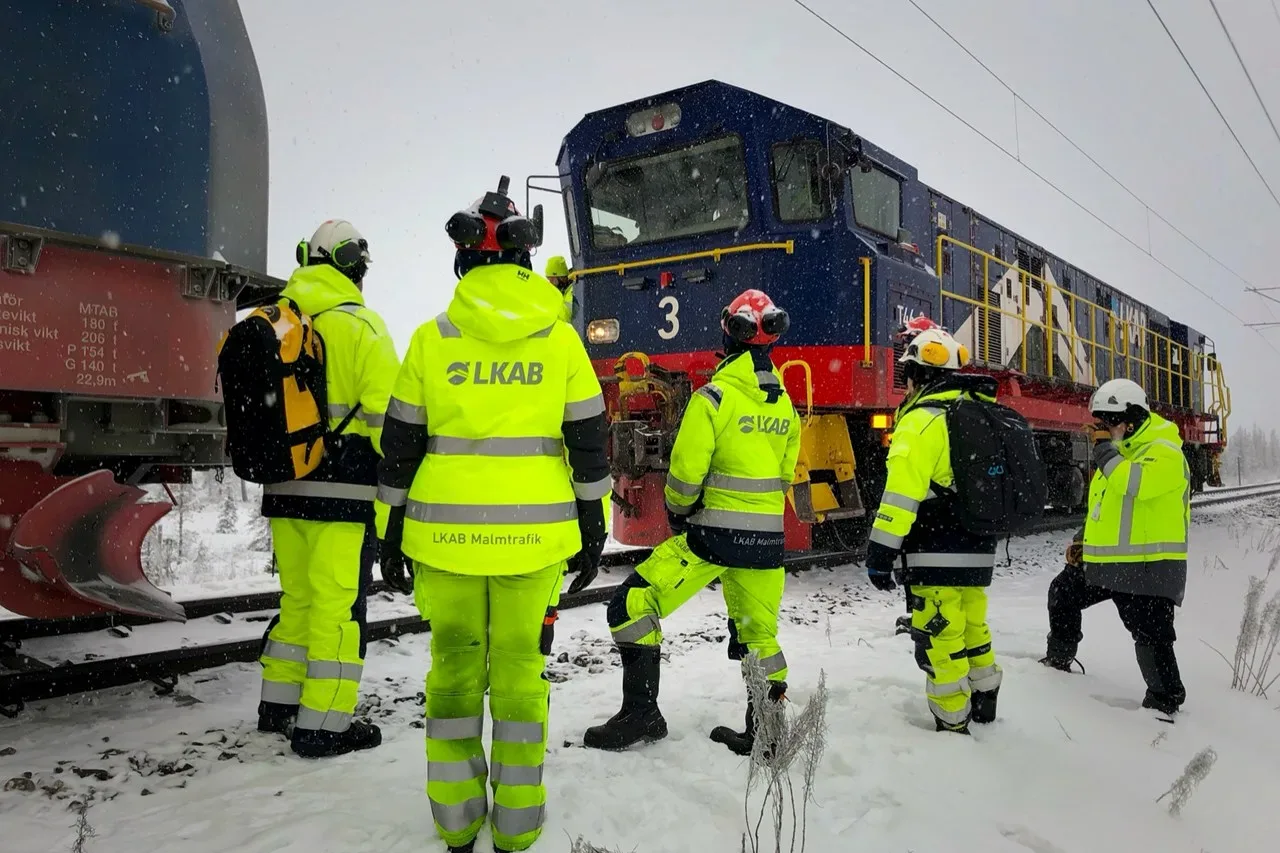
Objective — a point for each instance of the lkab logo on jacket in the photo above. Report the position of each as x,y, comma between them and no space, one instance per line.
495,372
763,423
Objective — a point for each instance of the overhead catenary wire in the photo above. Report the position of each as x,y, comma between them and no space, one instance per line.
1017,96
1043,178
1245,68
1248,76
1212,101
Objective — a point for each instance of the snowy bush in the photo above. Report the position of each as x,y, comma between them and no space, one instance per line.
800,738
1257,640
1185,785
84,829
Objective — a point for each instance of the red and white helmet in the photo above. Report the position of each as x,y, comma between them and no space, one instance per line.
753,319
914,326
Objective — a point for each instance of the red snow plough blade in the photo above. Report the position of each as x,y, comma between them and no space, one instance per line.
75,546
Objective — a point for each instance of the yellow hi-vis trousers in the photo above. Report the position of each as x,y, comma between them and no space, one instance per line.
494,632
953,647
314,656
673,574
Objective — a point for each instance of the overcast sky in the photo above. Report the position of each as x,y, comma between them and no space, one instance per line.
395,113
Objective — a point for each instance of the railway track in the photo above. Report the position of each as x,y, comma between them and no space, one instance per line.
25,678
29,677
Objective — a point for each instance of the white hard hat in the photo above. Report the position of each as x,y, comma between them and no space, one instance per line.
1117,395
936,348
336,241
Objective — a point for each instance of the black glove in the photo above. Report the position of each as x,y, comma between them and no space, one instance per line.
395,568
676,522
585,564
881,579
879,563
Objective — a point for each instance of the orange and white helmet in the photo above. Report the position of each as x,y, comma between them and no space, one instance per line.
936,348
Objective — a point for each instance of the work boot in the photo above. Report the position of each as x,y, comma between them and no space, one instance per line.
1061,663
639,718
1159,667
741,743
983,704
276,718
962,729
314,743
469,847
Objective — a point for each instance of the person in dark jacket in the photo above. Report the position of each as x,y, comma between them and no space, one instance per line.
1134,542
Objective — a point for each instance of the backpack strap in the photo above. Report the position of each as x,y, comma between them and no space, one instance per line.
346,421
352,308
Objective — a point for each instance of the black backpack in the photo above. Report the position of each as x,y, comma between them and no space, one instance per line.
271,366
1001,485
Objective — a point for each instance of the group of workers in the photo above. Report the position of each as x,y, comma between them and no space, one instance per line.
498,390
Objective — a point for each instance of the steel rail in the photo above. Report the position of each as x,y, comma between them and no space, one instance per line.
31,679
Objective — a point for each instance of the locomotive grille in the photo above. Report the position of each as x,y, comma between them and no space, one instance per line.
899,382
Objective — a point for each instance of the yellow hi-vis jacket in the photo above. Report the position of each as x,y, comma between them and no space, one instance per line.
495,434
360,368
733,460
915,517
566,308
1135,535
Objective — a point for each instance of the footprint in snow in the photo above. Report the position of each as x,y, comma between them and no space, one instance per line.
1024,837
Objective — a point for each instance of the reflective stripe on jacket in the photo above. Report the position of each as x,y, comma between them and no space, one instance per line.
915,517
733,460
495,433
1135,535
360,368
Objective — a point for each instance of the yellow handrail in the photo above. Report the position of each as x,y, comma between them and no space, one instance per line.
787,246
1157,378
866,311
808,383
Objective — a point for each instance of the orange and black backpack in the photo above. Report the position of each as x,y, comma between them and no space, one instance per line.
271,367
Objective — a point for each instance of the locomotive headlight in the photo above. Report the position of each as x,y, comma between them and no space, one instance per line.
602,331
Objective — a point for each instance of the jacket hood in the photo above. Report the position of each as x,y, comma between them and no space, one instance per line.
504,302
978,384
320,287
744,370
1155,428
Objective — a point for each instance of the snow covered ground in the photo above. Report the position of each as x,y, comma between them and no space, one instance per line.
1071,764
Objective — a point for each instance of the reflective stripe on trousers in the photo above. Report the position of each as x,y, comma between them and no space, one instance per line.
933,690
286,660
329,670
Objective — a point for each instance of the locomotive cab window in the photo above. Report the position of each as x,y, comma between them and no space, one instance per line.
877,201
799,191
697,189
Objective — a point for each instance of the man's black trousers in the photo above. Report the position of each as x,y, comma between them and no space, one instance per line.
1148,618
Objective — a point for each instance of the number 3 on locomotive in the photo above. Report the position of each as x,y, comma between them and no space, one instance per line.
672,317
